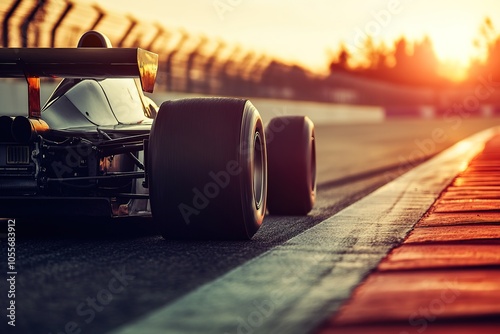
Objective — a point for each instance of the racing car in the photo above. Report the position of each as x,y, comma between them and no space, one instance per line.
201,168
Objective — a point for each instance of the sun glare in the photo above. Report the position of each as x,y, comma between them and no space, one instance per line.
454,48
454,70
453,33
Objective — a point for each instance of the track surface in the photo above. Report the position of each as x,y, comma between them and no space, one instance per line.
94,280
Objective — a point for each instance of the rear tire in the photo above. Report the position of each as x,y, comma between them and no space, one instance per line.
207,168
291,150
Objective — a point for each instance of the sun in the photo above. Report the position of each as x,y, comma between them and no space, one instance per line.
453,45
454,55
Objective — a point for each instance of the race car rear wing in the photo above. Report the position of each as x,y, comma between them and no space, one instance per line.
98,63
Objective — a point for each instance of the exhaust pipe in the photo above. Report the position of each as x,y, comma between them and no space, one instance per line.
25,130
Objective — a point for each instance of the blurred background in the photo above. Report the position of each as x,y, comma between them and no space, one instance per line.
413,58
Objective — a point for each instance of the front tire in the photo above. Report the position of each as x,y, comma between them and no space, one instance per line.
208,169
291,148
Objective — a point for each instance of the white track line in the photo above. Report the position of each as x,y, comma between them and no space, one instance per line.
293,287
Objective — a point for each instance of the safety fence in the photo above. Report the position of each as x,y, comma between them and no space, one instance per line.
188,62
195,63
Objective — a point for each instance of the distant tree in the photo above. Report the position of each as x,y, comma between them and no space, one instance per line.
340,61
344,58
371,54
406,63
401,56
380,67
424,59
487,35
402,60
488,47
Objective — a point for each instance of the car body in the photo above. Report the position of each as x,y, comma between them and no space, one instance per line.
79,154
100,148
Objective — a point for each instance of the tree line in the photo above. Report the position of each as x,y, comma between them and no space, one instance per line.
414,63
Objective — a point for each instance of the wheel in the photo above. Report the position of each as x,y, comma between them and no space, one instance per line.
207,169
291,162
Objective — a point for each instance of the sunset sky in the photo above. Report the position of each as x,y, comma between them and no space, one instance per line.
303,30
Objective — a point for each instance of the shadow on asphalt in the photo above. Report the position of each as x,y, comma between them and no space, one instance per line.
82,228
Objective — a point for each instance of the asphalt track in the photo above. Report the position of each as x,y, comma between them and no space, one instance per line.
88,279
